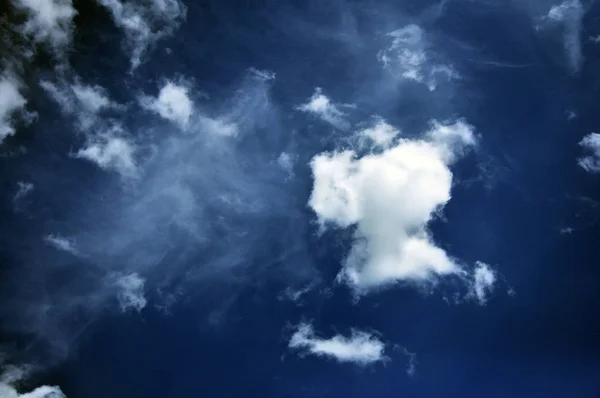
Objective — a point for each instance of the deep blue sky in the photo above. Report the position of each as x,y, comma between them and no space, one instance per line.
218,320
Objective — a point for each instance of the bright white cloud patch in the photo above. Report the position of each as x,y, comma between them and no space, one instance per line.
570,14
144,23
61,243
484,279
381,134
7,391
407,58
49,21
360,348
591,144
390,197
11,102
322,107
172,103
131,292
111,153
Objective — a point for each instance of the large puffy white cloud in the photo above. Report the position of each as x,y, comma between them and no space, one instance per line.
143,23
11,102
591,144
407,58
390,197
172,103
321,106
570,14
49,21
361,348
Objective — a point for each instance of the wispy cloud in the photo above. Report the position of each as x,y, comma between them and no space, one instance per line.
570,14
360,348
11,102
49,22
591,144
61,243
407,58
131,292
322,107
144,23
484,278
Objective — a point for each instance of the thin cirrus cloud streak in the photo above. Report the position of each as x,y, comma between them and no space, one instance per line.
360,348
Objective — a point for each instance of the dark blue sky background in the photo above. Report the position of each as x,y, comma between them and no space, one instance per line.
227,335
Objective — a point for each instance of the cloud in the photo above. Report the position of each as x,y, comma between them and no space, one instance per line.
11,102
111,153
407,58
570,14
24,189
381,134
84,102
172,103
131,292
7,391
360,348
322,107
390,197
591,144
144,24
484,279
61,243
50,21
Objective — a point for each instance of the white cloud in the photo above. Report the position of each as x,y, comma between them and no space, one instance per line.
360,348
484,279
111,153
381,134
407,58
50,21
7,391
591,162
570,14
11,102
84,102
131,292
327,111
390,197
172,103
144,24
61,243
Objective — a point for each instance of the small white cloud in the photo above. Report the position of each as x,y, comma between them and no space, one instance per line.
61,243
49,21
144,23
286,162
360,348
591,162
390,197
484,279
381,134
327,111
570,14
7,391
111,153
131,292
11,102
172,103
411,368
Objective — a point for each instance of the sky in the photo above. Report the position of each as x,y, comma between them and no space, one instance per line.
288,198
